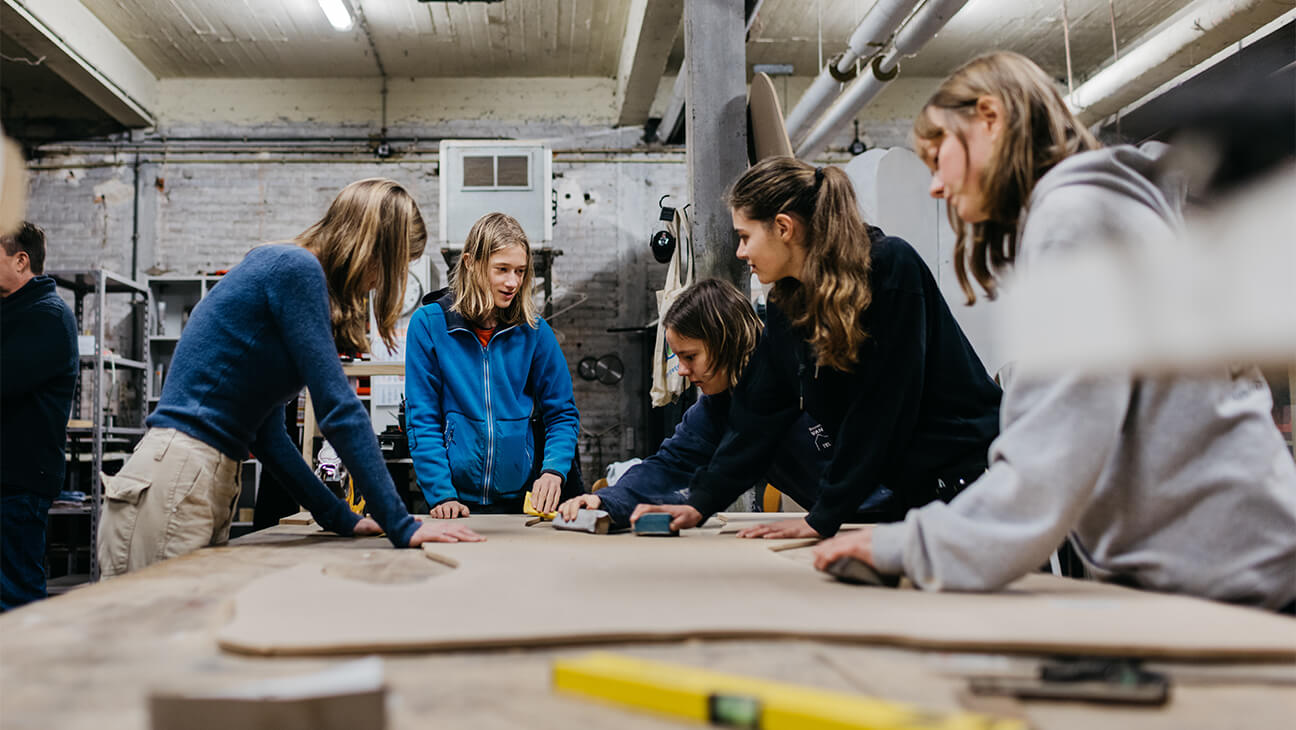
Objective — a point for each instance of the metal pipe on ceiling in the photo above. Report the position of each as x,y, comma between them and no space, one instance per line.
916,32
870,38
1149,64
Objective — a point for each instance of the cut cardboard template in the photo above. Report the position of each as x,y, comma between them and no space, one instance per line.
532,588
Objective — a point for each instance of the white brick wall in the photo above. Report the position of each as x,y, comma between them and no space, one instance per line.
204,211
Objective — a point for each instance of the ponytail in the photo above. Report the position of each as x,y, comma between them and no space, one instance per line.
833,292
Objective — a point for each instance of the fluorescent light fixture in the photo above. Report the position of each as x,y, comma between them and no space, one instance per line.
338,14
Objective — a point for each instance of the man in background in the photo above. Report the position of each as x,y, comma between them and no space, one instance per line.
38,372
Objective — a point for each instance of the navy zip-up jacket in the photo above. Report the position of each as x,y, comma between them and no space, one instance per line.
38,372
468,407
800,459
918,403
250,345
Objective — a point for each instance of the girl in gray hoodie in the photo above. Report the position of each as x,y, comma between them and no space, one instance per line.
1171,483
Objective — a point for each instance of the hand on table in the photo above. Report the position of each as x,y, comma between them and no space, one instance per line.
797,527
443,532
449,510
569,508
366,527
545,493
854,544
682,515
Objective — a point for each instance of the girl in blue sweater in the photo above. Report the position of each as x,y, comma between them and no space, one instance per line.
478,361
274,324
713,330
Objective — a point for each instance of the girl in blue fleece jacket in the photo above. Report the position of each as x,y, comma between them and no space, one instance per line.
274,324
713,330
478,360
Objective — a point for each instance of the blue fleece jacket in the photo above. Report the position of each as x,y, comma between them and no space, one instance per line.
796,470
259,336
468,407
38,372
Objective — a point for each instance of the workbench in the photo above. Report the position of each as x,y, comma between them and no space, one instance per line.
89,659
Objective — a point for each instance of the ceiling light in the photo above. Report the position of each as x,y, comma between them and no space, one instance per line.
338,14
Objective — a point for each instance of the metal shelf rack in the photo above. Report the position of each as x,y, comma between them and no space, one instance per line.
96,285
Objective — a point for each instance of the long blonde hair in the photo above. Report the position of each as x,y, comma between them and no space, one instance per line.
492,233
371,232
1039,131
833,292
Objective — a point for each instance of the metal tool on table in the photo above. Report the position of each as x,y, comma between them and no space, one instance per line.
1109,680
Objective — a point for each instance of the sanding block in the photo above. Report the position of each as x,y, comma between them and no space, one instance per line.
858,572
593,521
655,524
527,508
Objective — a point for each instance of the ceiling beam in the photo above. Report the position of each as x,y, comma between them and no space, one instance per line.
650,33
81,49
674,115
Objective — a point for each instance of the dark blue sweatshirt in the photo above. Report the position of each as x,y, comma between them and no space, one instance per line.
918,403
38,372
800,459
259,336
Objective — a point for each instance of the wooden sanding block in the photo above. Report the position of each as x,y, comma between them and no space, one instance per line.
301,518
347,696
593,521
655,524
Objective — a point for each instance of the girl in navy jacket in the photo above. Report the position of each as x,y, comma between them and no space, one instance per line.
478,360
712,330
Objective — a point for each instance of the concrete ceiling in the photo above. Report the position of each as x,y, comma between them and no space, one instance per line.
291,38
119,55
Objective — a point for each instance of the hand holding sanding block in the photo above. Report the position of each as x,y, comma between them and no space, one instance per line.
655,524
858,572
593,521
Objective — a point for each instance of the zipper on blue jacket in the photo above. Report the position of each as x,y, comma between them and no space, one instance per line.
490,418
490,428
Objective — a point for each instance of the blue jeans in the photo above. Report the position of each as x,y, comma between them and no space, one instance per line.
23,517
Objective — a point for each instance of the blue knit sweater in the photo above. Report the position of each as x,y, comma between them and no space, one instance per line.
250,345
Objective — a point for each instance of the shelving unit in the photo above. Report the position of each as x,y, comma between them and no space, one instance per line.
173,298
122,421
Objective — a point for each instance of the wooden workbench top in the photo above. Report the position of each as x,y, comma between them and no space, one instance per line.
90,658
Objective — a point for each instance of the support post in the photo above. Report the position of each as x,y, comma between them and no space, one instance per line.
715,60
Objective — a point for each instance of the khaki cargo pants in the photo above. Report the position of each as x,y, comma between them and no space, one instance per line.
174,495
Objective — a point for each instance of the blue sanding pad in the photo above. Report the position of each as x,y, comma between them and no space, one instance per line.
654,524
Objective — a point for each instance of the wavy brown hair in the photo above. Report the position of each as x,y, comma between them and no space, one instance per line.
366,240
833,288
491,233
717,314
1038,132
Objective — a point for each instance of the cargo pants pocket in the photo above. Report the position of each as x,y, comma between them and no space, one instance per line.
117,524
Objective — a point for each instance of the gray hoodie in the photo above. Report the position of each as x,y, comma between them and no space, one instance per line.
1177,484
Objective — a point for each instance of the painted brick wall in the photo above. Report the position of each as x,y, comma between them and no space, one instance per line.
204,211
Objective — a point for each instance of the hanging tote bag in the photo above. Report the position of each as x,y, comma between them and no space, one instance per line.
667,383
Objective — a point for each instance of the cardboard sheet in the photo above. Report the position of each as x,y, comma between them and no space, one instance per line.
545,587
